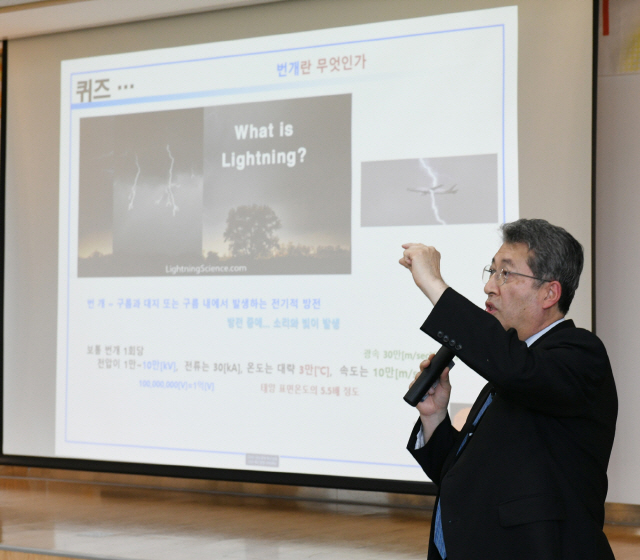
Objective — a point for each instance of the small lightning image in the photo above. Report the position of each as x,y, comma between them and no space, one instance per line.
168,190
432,190
132,194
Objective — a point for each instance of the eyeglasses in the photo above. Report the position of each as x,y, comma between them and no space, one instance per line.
503,275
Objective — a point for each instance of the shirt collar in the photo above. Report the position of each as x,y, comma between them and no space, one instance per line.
536,336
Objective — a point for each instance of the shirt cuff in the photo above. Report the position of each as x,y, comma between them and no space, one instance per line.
419,439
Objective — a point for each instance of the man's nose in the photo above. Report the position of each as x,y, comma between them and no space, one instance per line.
491,287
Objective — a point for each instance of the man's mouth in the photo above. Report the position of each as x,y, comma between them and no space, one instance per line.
489,307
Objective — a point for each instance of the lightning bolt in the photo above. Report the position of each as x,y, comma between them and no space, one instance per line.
434,179
132,194
168,190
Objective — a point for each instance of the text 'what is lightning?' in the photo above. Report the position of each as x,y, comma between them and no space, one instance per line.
248,158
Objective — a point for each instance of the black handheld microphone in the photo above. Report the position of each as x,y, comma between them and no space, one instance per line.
429,375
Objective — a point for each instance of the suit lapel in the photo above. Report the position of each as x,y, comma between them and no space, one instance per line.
482,397
468,426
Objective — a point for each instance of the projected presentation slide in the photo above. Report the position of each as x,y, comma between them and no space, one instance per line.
231,219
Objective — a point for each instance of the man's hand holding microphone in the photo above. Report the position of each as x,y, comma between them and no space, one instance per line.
430,391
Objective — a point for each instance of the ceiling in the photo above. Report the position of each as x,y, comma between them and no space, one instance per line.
26,18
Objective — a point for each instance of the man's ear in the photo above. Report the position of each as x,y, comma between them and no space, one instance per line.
552,291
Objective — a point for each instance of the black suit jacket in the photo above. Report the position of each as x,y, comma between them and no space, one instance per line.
531,481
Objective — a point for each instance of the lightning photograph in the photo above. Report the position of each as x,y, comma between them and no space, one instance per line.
140,192
430,191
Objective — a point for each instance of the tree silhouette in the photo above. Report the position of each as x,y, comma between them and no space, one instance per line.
250,231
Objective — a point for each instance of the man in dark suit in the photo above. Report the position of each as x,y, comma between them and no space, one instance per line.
525,478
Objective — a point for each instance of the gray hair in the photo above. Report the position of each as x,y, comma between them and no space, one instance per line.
554,254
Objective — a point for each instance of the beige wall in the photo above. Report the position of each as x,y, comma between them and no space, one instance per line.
618,234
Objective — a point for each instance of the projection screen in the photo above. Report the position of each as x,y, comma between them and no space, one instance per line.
204,216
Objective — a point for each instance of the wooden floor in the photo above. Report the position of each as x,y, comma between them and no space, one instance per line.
76,519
